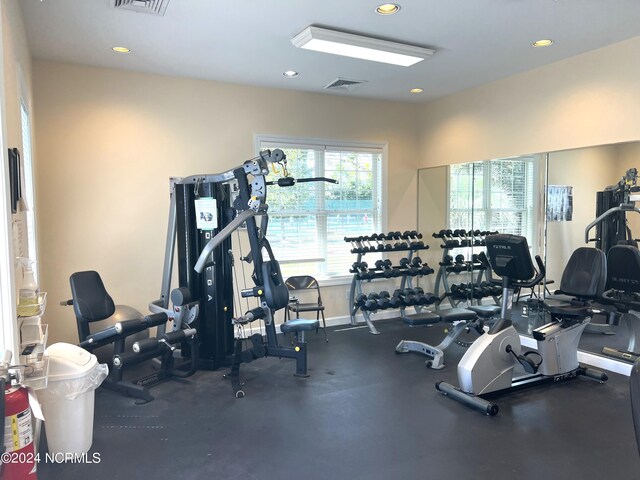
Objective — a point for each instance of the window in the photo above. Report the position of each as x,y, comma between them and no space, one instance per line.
29,195
494,195
308,222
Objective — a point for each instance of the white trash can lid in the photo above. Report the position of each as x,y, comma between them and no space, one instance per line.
68,361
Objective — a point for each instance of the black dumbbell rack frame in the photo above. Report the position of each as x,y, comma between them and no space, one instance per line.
476,271
361,246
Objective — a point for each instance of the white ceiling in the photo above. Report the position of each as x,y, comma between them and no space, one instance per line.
249,41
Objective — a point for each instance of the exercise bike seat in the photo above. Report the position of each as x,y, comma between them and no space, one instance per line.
580,283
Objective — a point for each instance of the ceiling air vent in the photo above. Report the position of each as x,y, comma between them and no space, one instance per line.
155,7
344,84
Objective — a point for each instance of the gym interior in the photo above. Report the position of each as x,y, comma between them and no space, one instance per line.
229,252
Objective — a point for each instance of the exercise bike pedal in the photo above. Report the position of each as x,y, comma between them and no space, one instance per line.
527,363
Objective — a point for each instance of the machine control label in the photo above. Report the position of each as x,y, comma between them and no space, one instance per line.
206,213
17,430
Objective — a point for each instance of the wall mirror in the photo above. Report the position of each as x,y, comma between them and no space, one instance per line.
508,195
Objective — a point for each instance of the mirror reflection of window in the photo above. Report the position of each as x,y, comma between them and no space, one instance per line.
495,195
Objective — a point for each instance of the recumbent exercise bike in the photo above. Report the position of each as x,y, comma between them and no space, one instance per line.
487,366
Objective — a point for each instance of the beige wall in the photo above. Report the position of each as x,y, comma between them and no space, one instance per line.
109,140
17,69
590,99
587,170
16,83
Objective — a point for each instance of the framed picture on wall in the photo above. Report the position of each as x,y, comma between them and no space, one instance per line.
559,203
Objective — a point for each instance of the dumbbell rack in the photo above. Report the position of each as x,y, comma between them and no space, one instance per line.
406,242
453,240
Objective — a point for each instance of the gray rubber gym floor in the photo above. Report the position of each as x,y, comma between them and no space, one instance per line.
365,413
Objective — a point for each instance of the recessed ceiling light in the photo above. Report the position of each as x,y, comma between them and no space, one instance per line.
387,9
121,49
416,90
358,46
542,43
291,74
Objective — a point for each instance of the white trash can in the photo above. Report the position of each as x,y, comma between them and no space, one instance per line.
68,400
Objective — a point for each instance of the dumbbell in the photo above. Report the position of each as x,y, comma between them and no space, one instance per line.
383,303
409,300
379,238
360,300
451,244
359,267
446,261
395,302
459,290
371,305
416,266
404,262
373,296
459,259
425,270
440,234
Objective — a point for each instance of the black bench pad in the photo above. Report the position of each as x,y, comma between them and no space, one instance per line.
423,318
485,311
456,315
298,325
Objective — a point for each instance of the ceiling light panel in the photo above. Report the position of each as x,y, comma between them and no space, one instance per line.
357,46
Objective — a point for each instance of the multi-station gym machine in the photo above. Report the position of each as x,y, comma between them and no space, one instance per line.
204,211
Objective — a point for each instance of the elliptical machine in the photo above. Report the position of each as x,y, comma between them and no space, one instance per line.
487,366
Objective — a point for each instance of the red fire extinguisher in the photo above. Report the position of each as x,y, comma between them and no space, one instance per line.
18,462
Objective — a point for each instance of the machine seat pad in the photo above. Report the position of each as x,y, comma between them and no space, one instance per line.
298,325
485,311
423,318
456,315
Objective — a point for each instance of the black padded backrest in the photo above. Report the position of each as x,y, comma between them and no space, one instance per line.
623,268
301,282
91,302
585,275
276,293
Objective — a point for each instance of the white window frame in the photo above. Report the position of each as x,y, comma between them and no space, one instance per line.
321,143
31,229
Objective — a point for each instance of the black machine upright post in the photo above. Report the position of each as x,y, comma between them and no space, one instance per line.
213,287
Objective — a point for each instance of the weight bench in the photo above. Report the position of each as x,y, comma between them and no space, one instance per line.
297,327
464,319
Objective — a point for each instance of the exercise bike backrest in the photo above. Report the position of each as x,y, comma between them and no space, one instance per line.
585,275
623,278
510,258
623,269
